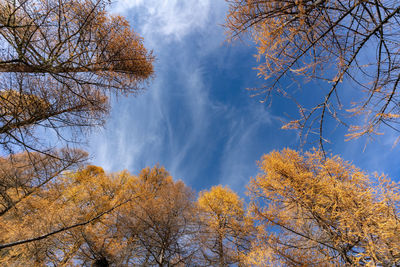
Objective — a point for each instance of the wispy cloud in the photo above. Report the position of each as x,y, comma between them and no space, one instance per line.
178,122
167,18
196,118
252,134
169,121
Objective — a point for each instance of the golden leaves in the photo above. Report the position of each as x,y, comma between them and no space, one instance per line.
60,61
327,206
227,228
221,201
305,209
121,49
326,41
21,105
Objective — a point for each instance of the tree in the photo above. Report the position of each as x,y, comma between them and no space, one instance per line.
226,234
64,211
58,61
161,222
139,220
330,41
24,174
318,211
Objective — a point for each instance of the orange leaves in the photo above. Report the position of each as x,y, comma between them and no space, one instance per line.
160,222
326,41
60,61
227,229
72,198
122,49
327,205
18,106
305,209
221,201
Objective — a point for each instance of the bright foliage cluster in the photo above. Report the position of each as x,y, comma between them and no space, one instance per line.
304,210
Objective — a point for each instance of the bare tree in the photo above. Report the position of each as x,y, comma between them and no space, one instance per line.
331,41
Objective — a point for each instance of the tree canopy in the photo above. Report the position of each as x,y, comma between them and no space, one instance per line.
326,211
304,209
330,41
227,230
59,61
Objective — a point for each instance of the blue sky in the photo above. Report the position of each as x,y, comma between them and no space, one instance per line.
196,117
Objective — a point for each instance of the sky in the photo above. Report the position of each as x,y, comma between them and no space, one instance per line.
196,117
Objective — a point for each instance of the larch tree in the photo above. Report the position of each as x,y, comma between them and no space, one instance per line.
65,203
25,173
331,41
143,220
161,221
226,231
59,60
317,211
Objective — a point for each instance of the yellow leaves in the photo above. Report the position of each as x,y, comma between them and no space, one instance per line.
262,255
299,71
161,214
62,57
304,40
328,201
21,105
356,131
388,115
74,197
305,208
221,201
228,229
122,49
222,207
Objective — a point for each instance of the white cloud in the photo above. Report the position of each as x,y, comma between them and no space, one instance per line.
238,163
176,125
121,6
169,18
140,128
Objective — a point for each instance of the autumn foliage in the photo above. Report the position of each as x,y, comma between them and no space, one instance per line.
304,210
328,41
59,63
227,230
323,211
61,59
